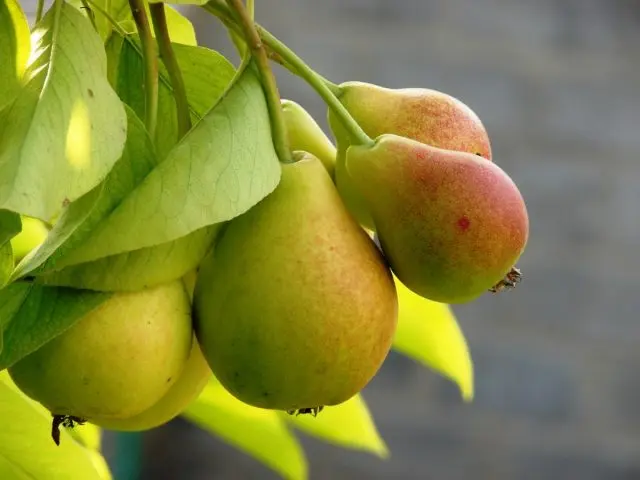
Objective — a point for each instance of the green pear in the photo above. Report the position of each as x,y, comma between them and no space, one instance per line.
295,308
450,224
33,233
306,135
424,115
117,361
188,386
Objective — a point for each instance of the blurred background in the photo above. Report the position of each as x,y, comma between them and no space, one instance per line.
557,84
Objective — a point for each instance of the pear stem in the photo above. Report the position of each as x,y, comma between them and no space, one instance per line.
150,60
283,55
278,126
159,19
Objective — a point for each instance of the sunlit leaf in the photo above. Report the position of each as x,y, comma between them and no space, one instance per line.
349,424
260,433
429,333
62,134
26,448
221,168
14,49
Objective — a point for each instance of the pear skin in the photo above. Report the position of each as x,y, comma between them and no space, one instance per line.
425,115
295,308
117,361
188,386
451,224
306,135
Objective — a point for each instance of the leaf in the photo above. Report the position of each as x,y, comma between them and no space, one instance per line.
10,225
142,268
206,75
128,271
221,168
26,448
260,433
6,266
87,435
34,314
428,332
349,424
181,2
180,27
66,129
14,49
83,215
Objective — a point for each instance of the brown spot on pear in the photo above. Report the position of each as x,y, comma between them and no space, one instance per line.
295,308
114,362
451,224
425,115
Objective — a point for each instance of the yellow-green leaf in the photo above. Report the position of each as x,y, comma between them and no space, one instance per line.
428,332
349,424
26,448
260,433
180,28
14,49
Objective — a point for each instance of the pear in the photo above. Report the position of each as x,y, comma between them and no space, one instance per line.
295,307
33,233
425,115
188,386
306,135
450,224
117,361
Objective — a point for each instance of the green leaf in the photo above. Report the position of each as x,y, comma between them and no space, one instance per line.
142,268
206,75
221,168
128,271
428,332
10,225
83,215
14,49
34,314
180,27
66,128
349,424
181,2
6,266
260,433
26,448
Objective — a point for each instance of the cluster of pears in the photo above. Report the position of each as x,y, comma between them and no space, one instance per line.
295,307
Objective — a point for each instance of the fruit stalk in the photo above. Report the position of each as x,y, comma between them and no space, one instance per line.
258,52
288,58
159,19
150,60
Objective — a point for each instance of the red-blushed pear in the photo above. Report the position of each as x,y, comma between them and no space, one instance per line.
451,224
117,361
306,135
422,114
295,308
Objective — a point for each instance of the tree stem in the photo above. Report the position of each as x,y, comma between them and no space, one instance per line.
283,55
150,60
279,129
39,10
159,19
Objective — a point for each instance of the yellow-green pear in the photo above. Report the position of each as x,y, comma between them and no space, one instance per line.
117,361
190,383
306,135
33,233
295,307
425,115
